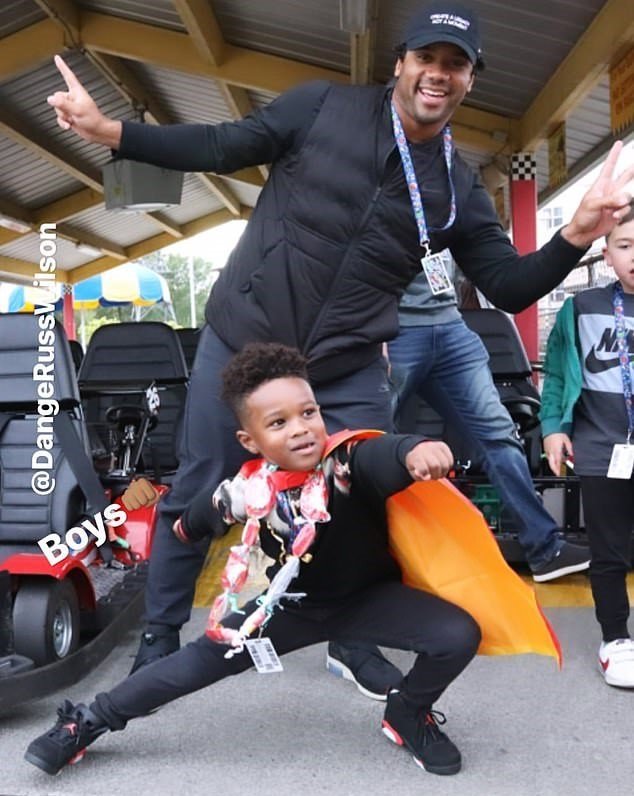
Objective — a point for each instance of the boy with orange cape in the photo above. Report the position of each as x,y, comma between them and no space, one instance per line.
319,507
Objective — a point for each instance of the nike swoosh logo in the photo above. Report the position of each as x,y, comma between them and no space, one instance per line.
596,365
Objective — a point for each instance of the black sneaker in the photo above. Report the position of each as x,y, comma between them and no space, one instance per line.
417,730
568,559
365,666
154,645
76,727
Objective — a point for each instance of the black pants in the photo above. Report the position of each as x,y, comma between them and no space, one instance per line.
608,505
444,637
209,453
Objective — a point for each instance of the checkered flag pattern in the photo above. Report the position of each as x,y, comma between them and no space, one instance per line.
67,289
523,166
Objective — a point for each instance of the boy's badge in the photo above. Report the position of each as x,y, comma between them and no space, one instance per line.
622,462
263,655
435,268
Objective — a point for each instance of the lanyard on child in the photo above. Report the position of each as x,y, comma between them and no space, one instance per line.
412,183
624,355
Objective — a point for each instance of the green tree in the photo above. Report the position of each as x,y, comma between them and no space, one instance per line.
175,268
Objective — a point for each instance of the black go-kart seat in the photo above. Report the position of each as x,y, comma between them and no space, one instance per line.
189,338
77,353
25,515
121,362
36,441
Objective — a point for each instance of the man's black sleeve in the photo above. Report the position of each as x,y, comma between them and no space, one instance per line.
262,137
488,258
201,518
377,466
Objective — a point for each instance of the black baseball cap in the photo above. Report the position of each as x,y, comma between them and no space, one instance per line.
446,22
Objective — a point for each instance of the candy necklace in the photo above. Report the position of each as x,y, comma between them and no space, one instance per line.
262,486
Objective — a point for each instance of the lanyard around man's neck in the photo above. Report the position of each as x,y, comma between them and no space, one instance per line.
412,183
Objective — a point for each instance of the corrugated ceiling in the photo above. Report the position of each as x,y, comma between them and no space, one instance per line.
523,46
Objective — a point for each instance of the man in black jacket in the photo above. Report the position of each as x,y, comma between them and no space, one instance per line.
333,241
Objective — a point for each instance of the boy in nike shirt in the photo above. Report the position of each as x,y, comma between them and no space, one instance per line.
587,400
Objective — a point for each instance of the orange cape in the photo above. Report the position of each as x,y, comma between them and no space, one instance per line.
444,546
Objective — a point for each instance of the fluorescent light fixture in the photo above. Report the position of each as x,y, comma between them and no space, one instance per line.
354,15
14,224
140,187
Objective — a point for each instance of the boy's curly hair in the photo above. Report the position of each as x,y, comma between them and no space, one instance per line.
256,364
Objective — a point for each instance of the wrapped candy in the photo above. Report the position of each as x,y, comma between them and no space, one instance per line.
257,494
223,635
304,539
260,494
236,569
250,532
313,499
219,609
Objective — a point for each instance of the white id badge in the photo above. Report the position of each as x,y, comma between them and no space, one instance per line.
622,462
263,655
436,272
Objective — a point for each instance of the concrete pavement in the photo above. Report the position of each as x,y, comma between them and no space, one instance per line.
524,728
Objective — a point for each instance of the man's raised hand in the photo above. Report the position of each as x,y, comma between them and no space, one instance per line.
77,111
603,205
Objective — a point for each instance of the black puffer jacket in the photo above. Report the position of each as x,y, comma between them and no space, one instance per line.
332,242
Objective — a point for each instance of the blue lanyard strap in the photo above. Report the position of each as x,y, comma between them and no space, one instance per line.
624,355
412,183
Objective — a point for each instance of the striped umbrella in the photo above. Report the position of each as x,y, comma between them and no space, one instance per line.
26,298
121,286
126,284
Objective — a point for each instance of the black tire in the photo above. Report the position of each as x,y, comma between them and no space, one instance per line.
46,620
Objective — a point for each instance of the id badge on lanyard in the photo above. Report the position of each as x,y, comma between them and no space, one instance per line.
263,655
434,265
435,268
621,462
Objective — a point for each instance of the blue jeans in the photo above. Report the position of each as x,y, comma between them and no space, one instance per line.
447,366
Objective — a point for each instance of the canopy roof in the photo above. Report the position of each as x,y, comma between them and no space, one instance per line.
213,60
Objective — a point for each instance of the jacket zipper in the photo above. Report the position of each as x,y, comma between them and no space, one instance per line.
335,283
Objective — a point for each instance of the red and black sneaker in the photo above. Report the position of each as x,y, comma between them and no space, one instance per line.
76,727
417,730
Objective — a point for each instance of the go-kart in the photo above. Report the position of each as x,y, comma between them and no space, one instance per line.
73,556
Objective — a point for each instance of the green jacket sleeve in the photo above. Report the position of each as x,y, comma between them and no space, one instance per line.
555,414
